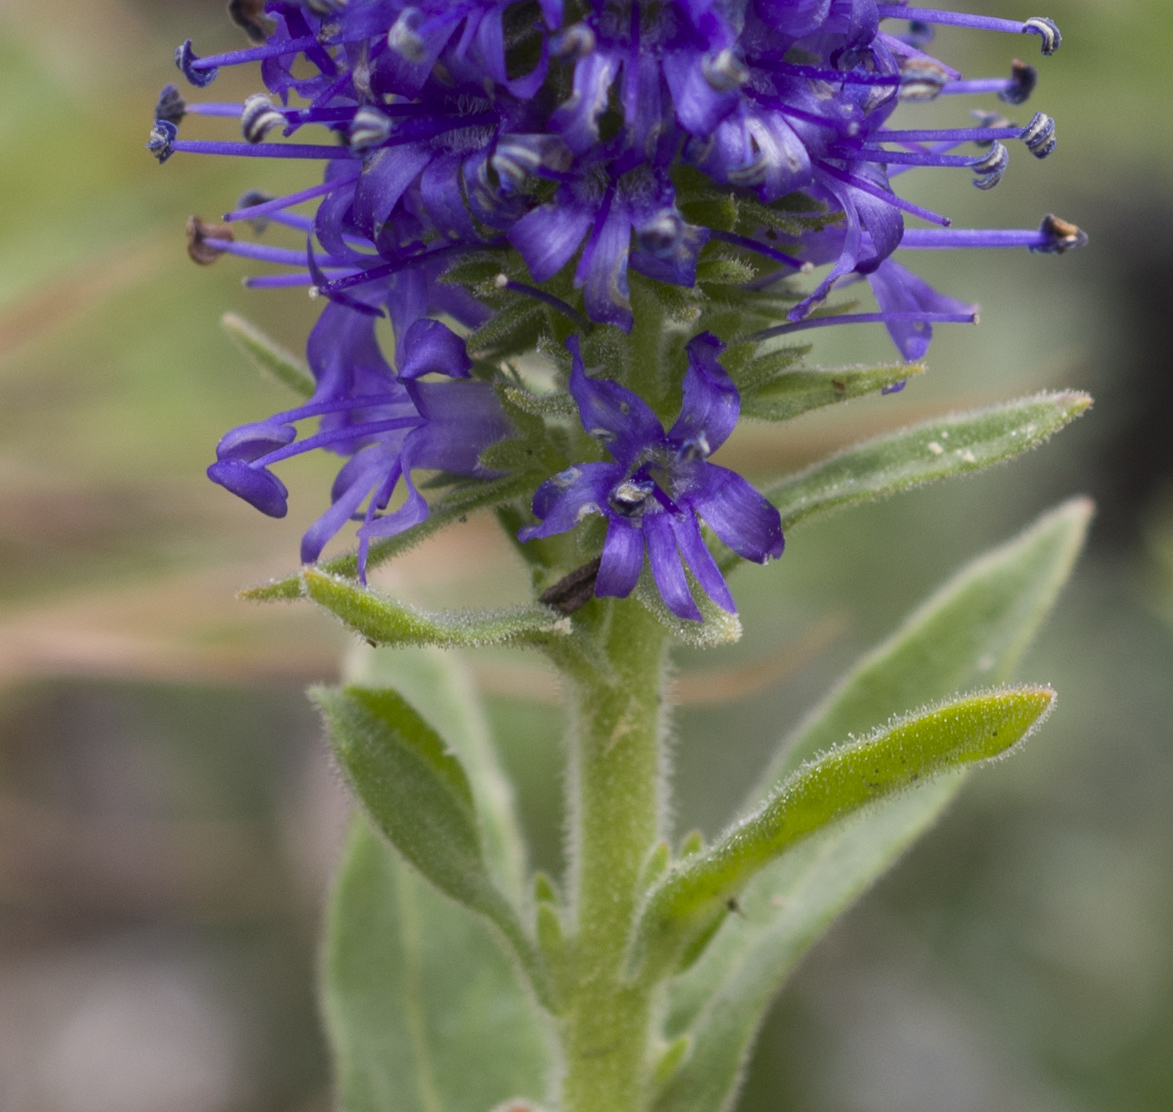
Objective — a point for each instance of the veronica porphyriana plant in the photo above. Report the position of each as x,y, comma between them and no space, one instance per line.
592,226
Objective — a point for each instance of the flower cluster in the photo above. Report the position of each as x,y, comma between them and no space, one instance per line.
557,132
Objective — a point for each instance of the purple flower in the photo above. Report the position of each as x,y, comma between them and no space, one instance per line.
386,424
467,124
660,486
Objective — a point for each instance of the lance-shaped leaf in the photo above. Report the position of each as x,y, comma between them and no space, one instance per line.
973,630
456,505
417,793
952,445
423,1011
787,395
387,621
684,907
439,684
268,355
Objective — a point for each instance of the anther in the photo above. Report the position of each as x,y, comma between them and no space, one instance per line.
251,199
919,33
259,117
695,447
404,37
162,136
198,233
575,590
990,121
185,59
724,71
573,42
369,128
662,234
171,106
1059,236
922,79
991,168
1039,135
629,496
246,14
1023,79
1046,30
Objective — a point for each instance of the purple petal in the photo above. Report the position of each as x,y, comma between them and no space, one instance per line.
577,118
611,413
623,559
384,180
563,501
365,471
250,442
711,403
900,291
737,513
548,237
462,420
431,347
442,196
602,271
667,570
700,560
794,18
256,486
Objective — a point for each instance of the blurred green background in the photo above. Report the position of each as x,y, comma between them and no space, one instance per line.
167,815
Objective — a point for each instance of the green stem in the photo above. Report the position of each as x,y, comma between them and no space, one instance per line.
617,816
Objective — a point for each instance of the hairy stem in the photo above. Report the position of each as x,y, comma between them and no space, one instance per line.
616,814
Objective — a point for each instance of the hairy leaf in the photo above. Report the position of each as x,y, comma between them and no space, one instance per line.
974,630
387,621
685,905
952,445
786,395
268,355
416,792
424,1012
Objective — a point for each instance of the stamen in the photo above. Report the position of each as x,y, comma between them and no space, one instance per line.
162,140
294,281
404,37
573,42
171,106
724,71
887,198
762,249
266,150
199,250
374,273
333,436
258,252
922,78
252,199
1039,135
259,118
251,212
1059,236
503,282
202,71
369,128
1036,25
992,168
1015,90
246,14
186,60
863,318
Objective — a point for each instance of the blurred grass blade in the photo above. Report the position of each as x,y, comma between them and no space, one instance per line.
387,621
697,893
453,507
417,793
794,392
422,1009
973,630
937,449
268,355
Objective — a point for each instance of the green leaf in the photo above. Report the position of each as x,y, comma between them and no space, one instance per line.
440,686
268,355
416,792
973,630
453,507
685,905
556,403
938,449
424,1012
387,621
795,392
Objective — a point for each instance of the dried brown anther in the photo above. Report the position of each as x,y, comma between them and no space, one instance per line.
198,234
575,590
